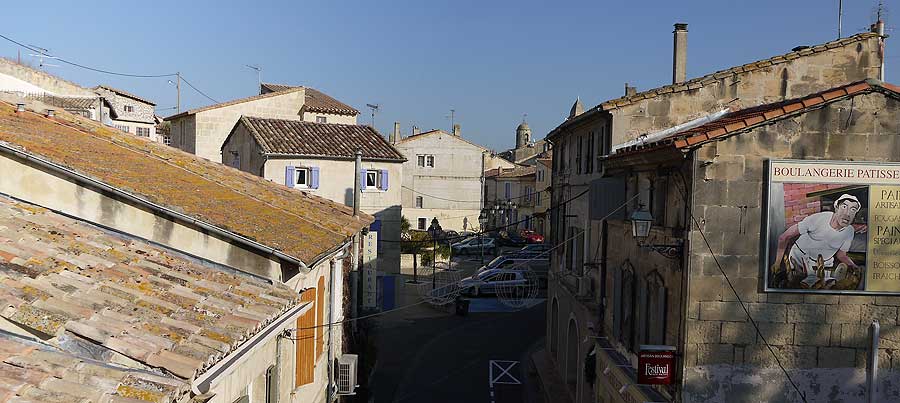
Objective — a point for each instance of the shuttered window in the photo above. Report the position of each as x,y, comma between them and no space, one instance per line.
320,318
306,350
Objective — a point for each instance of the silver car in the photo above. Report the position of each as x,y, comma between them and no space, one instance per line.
492,280
473,246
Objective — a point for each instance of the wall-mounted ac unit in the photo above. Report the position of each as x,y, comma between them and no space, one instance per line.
346,374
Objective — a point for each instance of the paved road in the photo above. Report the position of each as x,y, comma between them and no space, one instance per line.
448,358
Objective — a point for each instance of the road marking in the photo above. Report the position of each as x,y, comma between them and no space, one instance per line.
503,377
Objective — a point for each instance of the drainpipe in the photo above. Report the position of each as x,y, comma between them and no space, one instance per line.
357,184
330,356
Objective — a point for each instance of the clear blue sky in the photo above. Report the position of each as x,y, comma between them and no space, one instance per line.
491,61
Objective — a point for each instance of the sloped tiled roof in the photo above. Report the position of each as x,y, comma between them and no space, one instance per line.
517,172
126,94
32,371
299,138
232,102
316,101
73,281
297,224
702,81
77,103
422,135
746,119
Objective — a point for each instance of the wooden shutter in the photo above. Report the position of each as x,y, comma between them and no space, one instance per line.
314,177
384,179
306,358
362,179
289,176
320,318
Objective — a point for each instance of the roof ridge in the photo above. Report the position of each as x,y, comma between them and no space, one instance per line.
125,93
232,102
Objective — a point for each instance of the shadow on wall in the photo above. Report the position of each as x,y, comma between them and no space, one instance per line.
348,197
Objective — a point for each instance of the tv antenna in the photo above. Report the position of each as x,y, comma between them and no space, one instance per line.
374,108
258,76
43,53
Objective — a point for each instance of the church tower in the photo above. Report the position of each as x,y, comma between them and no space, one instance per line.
523,135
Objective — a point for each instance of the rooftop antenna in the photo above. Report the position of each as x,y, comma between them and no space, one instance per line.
524,115
258,76
452,119
374,108
44,53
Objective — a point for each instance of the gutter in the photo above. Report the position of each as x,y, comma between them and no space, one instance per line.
202,384
331,157
153,206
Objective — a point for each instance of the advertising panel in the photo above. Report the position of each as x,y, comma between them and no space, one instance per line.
833,227
370,270
656,365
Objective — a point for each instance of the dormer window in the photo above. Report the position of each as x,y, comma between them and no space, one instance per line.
129,108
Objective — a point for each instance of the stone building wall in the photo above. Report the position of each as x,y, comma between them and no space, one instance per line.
48,82
821,339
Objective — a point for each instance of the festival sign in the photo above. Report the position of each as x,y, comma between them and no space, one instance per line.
656,365
833,227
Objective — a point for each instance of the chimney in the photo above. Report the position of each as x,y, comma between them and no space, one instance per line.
20,107
878,28
395,135
629,90
456,129
679,54
51,113
415,130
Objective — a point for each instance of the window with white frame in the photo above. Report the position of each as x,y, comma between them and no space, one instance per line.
321,119
142,131
373,179
420,160
419,201
167,140
429,161
424,160
123,128
301,177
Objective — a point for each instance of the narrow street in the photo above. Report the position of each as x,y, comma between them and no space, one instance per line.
426,355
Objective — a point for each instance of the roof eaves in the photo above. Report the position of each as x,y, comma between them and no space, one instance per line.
232,102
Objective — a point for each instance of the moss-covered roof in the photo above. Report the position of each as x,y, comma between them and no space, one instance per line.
296,223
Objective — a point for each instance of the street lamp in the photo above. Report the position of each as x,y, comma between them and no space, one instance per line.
641,221
482,219
434,229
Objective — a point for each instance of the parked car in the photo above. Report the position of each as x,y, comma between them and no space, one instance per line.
532,237
536,248
510,239
490,281
539,265
474,245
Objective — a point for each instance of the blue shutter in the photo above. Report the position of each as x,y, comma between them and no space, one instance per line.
289,176
362,179
314,177
384,179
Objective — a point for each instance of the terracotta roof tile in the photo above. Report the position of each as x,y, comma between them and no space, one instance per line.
316,101
125,94
737,121
296,223
143,324
295,137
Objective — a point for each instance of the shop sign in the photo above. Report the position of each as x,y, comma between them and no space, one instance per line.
656,365
832,227
370,270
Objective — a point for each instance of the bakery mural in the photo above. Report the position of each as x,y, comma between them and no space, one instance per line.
833,227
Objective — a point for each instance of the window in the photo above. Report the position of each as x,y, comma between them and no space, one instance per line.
128,108
418,201
167,140
321,119
306,341
422,223
658,200
626,313
235,160
142,131
654,310
588,157
578,155
301,177
123,128
424,160
372,179
272,384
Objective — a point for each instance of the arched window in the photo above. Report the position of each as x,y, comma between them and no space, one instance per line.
554,327
627,309
572,354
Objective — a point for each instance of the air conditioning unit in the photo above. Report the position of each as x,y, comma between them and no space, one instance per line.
346,374
583,284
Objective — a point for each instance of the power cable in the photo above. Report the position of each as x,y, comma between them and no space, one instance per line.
683,194
196,89
535,194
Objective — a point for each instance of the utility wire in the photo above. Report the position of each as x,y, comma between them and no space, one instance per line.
683,194
535,194
196,89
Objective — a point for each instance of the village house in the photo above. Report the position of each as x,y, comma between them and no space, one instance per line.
127,252
580,296
510,198
442,178
543,194
320,159
128,112
715,194
202,131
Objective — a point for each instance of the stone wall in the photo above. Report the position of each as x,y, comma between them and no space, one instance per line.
43,80
821,339
143,112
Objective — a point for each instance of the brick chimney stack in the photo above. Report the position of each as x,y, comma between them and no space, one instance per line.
456,129
629,90
679,54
